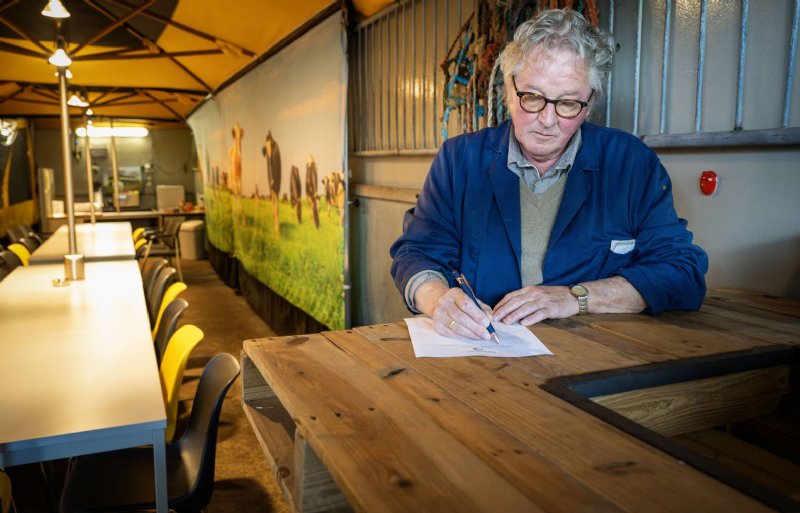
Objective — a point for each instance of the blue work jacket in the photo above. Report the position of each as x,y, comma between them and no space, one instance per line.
616,218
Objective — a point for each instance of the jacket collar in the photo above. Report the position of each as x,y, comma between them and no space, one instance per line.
505,185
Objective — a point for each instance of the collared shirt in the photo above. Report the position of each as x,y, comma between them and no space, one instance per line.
530,174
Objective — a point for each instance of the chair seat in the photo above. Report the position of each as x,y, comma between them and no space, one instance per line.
105,481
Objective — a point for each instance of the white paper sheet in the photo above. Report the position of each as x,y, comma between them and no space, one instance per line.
515,340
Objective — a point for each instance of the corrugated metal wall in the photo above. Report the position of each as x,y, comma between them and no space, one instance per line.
690,77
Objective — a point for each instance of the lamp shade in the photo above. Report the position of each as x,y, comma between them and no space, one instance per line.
60,59
55,9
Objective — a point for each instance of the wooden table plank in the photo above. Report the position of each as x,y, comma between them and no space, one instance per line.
628,472
373,440
680,337
550,487
752,303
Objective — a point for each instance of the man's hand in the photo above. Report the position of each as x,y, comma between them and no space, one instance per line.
533,304
453,312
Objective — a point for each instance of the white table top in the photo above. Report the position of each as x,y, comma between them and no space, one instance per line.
97,242
77,365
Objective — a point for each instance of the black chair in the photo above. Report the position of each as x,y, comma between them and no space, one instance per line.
149,277
29,243
166,277
9,260
124,480
15,233
169,322
165,243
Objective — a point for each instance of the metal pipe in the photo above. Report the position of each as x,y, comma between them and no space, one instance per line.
87,151
787,98
67,157
701,64
414,90
638,67
742,61
609,81
114,168
396,79
379,97
405,78
665,66
424,82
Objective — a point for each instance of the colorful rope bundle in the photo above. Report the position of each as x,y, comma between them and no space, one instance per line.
473,82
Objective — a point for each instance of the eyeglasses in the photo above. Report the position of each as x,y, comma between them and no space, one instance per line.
535,102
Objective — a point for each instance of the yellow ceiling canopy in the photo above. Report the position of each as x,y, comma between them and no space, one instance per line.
143,59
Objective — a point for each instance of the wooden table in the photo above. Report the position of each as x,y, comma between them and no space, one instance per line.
352,419
78,373
97,242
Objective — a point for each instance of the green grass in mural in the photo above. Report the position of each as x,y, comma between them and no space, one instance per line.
305,266
219,218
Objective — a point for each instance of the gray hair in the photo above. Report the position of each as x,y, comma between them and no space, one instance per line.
556,30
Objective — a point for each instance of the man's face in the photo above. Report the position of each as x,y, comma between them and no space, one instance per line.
544,135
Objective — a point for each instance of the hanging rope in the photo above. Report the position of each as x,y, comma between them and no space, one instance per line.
473,82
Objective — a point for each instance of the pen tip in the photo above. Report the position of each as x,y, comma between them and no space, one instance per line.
496,338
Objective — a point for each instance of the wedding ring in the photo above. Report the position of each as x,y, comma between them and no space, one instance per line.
451,324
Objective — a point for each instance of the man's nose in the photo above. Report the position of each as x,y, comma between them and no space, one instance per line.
548,116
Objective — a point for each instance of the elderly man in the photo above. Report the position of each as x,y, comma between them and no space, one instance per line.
547,216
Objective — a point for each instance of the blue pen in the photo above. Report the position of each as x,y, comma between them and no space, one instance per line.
464,284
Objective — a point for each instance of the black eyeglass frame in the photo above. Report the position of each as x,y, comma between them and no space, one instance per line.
555,103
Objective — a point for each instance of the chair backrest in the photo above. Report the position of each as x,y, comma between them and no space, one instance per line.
6,499
9,260
15,233
168,325
137,233
198,445
171,293
171,370
165,278
29,243
21,251
149,276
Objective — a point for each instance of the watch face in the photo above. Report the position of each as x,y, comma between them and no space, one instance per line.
578,290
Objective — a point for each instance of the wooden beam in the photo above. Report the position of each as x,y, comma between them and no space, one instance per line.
163,104
181,26
126,55
672,410
24,34
116,23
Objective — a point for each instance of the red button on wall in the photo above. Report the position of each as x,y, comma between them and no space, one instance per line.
708,182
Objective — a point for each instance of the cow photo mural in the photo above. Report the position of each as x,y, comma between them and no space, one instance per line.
271,148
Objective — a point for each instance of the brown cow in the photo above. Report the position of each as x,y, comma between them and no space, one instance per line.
273,154
311,189
295,192
235,155
334,193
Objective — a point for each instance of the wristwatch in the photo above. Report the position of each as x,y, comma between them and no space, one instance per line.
580,293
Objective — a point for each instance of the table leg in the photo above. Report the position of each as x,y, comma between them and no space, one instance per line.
160,465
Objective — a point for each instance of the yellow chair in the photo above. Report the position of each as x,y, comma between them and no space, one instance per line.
6,499
137,233
172,366
139,243
21,251
172,292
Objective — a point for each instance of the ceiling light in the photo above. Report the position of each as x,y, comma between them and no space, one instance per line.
89,112
60,59
75,101
55,9
118,131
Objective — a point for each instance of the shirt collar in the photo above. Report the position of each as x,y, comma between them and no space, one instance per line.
520,165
